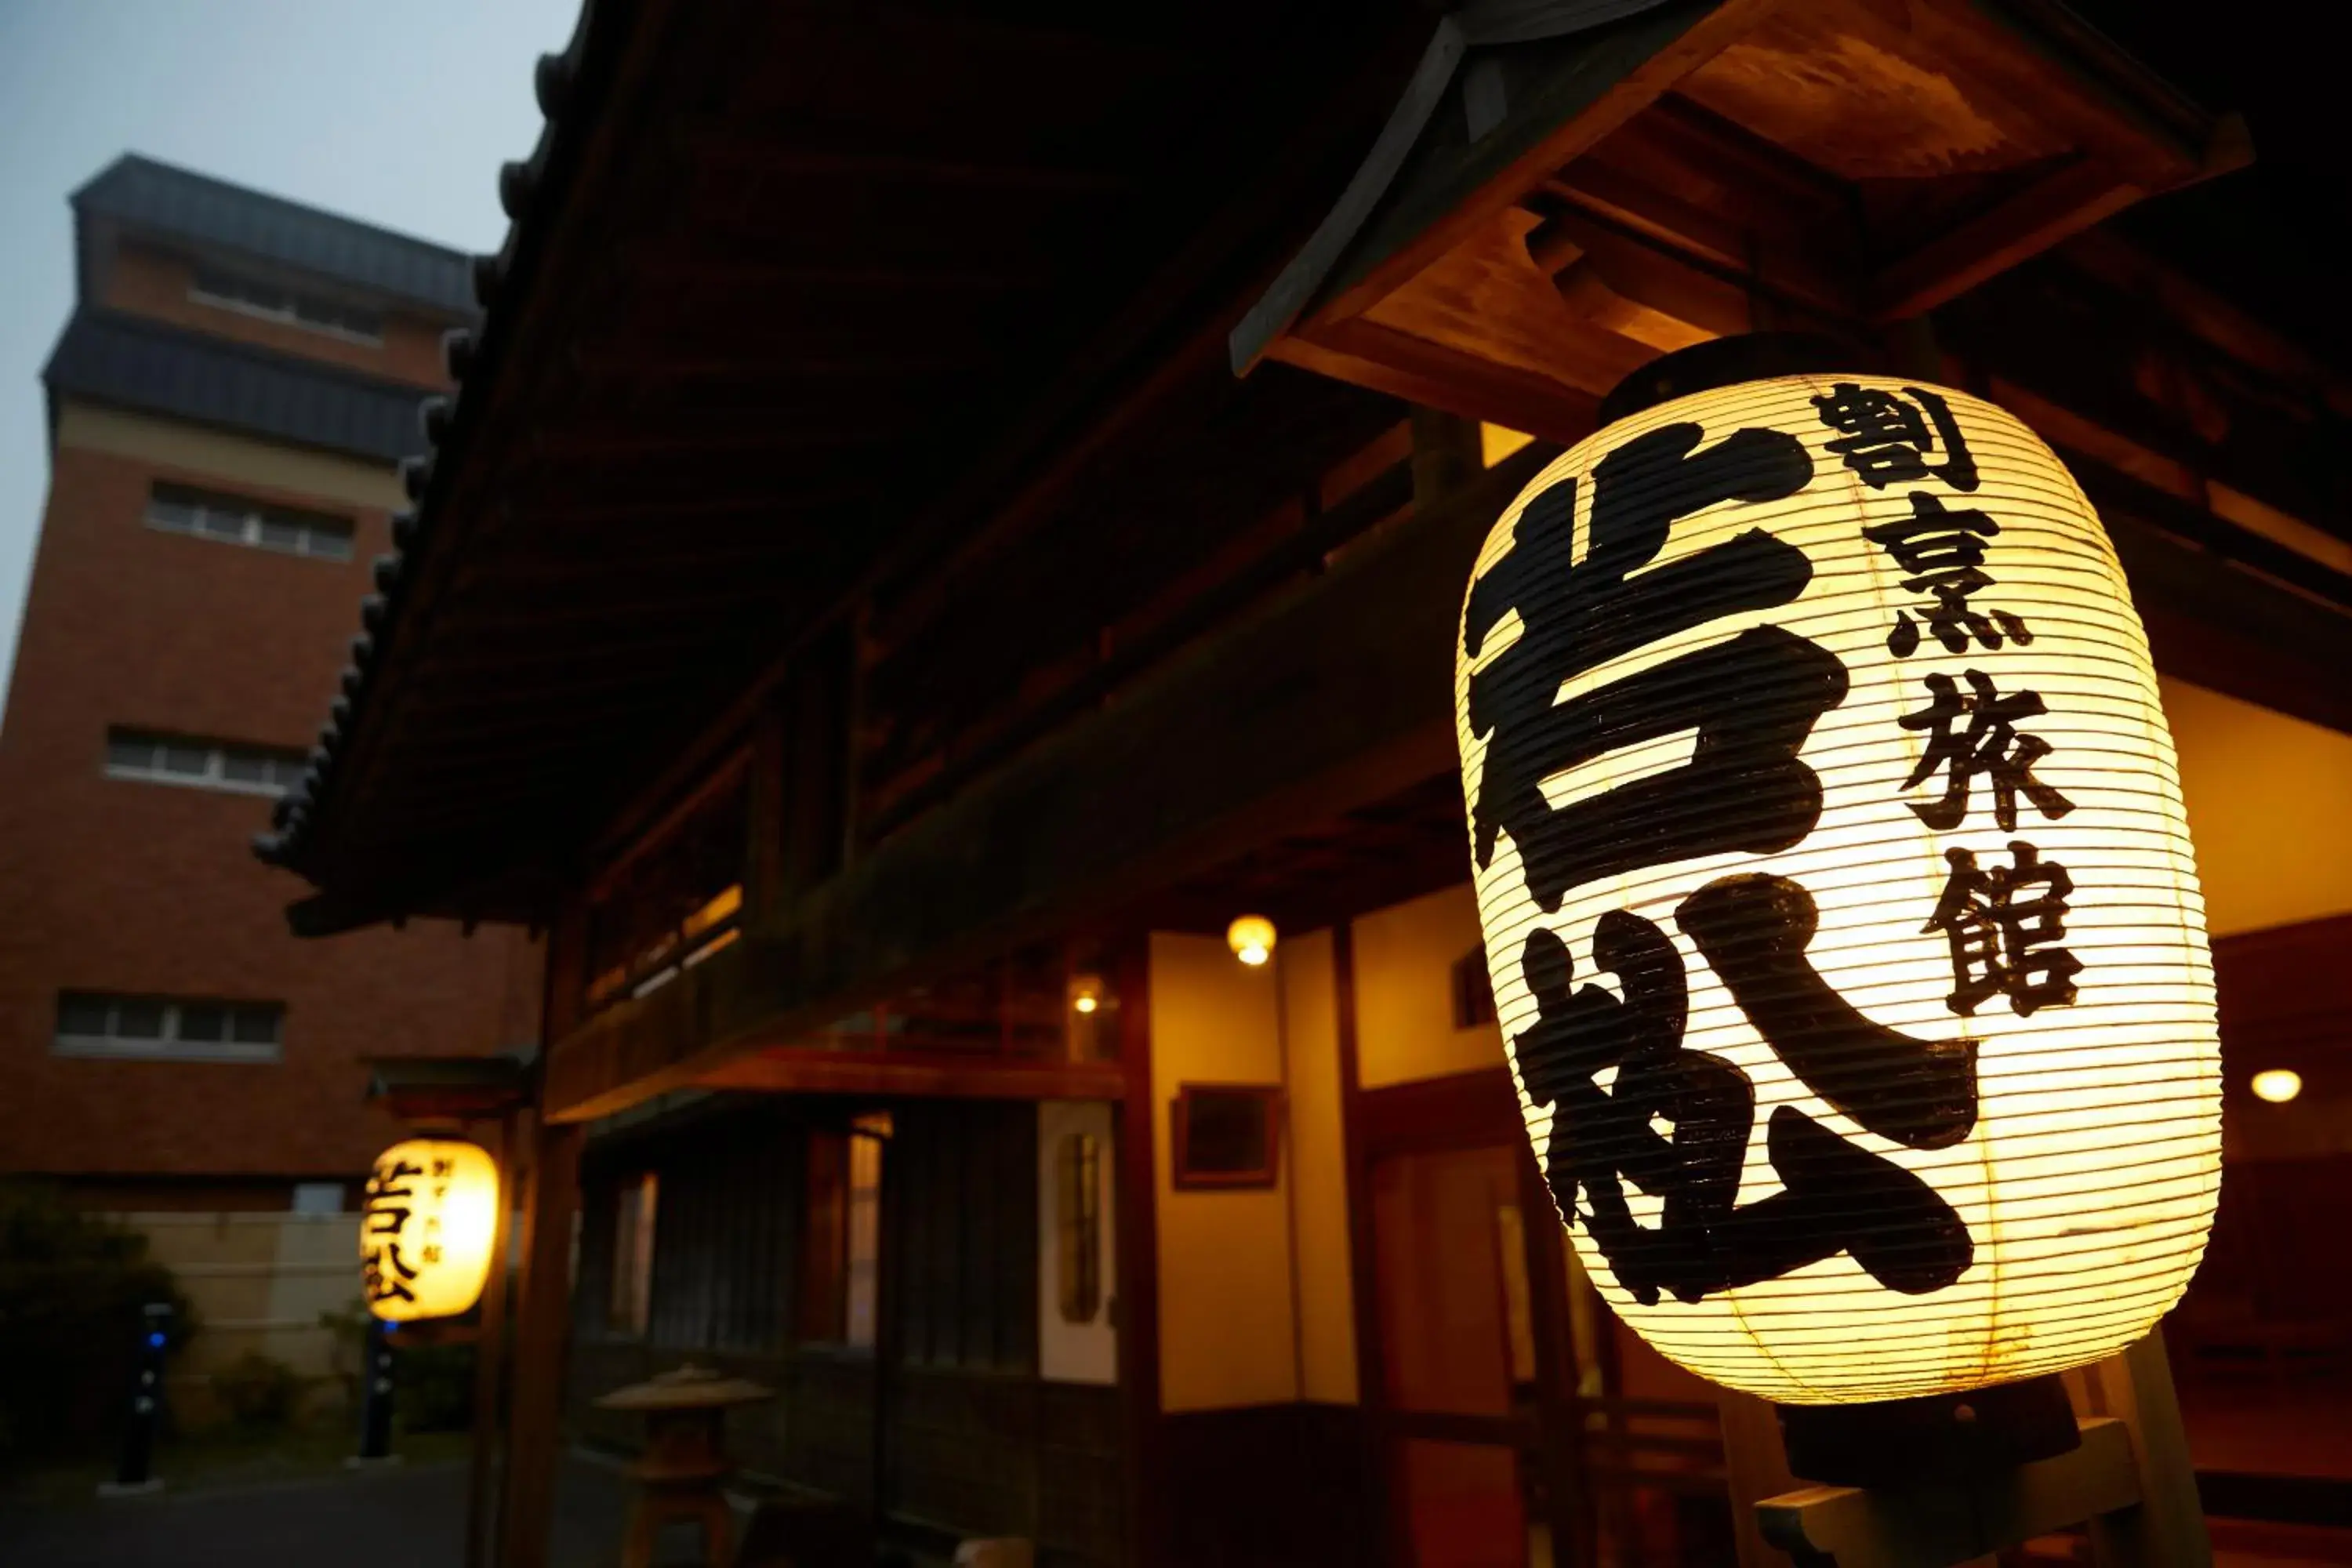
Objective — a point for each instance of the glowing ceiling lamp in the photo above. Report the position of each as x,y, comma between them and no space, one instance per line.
1837,893
427,1228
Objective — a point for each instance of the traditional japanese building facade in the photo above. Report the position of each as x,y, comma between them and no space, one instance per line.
226,408
855,604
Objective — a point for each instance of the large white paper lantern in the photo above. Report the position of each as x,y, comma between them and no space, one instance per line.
1837,893
428,1226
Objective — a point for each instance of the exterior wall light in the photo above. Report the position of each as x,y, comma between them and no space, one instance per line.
1251,939
2277,1085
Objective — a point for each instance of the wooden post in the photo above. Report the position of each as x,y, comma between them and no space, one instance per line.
1754,1466
1446,455
489,1362
1137,1302
2168,1525
542,1315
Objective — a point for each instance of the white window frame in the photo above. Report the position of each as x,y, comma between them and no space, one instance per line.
167,1047
281,762
317,1198
289,315
248,518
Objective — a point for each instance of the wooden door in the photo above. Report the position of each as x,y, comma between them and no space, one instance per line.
1467,1319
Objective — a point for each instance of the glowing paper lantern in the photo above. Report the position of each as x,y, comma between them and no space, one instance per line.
1837,893
427,1228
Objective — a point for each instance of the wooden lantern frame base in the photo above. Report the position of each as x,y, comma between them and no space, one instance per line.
1892,1442
2126,1480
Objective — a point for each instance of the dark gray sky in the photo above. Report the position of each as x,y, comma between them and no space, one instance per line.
397,112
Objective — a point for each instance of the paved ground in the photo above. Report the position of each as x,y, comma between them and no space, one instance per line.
402,1518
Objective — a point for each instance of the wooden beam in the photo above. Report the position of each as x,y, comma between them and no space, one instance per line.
542,1328
1435,376
1335,696
2052,209
1613,197
815,1069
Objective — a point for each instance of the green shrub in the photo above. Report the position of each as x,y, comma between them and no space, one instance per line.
72,1286
259,1392
433,1386
347,1346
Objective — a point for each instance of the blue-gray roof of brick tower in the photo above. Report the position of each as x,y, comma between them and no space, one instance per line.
126,361
142,195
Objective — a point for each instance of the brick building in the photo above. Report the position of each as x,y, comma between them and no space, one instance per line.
227,408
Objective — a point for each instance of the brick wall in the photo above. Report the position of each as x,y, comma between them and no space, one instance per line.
129,887
149,281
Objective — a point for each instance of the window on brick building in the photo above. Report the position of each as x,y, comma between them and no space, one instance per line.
252,296
204,764
232,520
163,1028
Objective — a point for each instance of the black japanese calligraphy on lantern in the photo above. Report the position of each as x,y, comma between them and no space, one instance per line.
1887,439
1752,699
2004,924
1944,551
384,1274
1631,1105
1990,746
1675,1122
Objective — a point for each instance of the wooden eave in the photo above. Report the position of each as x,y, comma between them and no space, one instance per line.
1567,190
794,298
449,1088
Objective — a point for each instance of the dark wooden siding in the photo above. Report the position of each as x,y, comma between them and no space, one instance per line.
961,1222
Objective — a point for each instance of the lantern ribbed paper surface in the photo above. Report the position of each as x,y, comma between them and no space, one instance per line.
1837,893
428,1226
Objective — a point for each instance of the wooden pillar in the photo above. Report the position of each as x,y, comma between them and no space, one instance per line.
1447,454
489,1362
543,1321
1138,1264
1756,1466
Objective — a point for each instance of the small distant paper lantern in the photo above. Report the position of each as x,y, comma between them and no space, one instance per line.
1837,893
428,1229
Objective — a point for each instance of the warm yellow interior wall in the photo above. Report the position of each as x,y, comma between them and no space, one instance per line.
1226,1333
1404,958
1317,1165
2266,797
